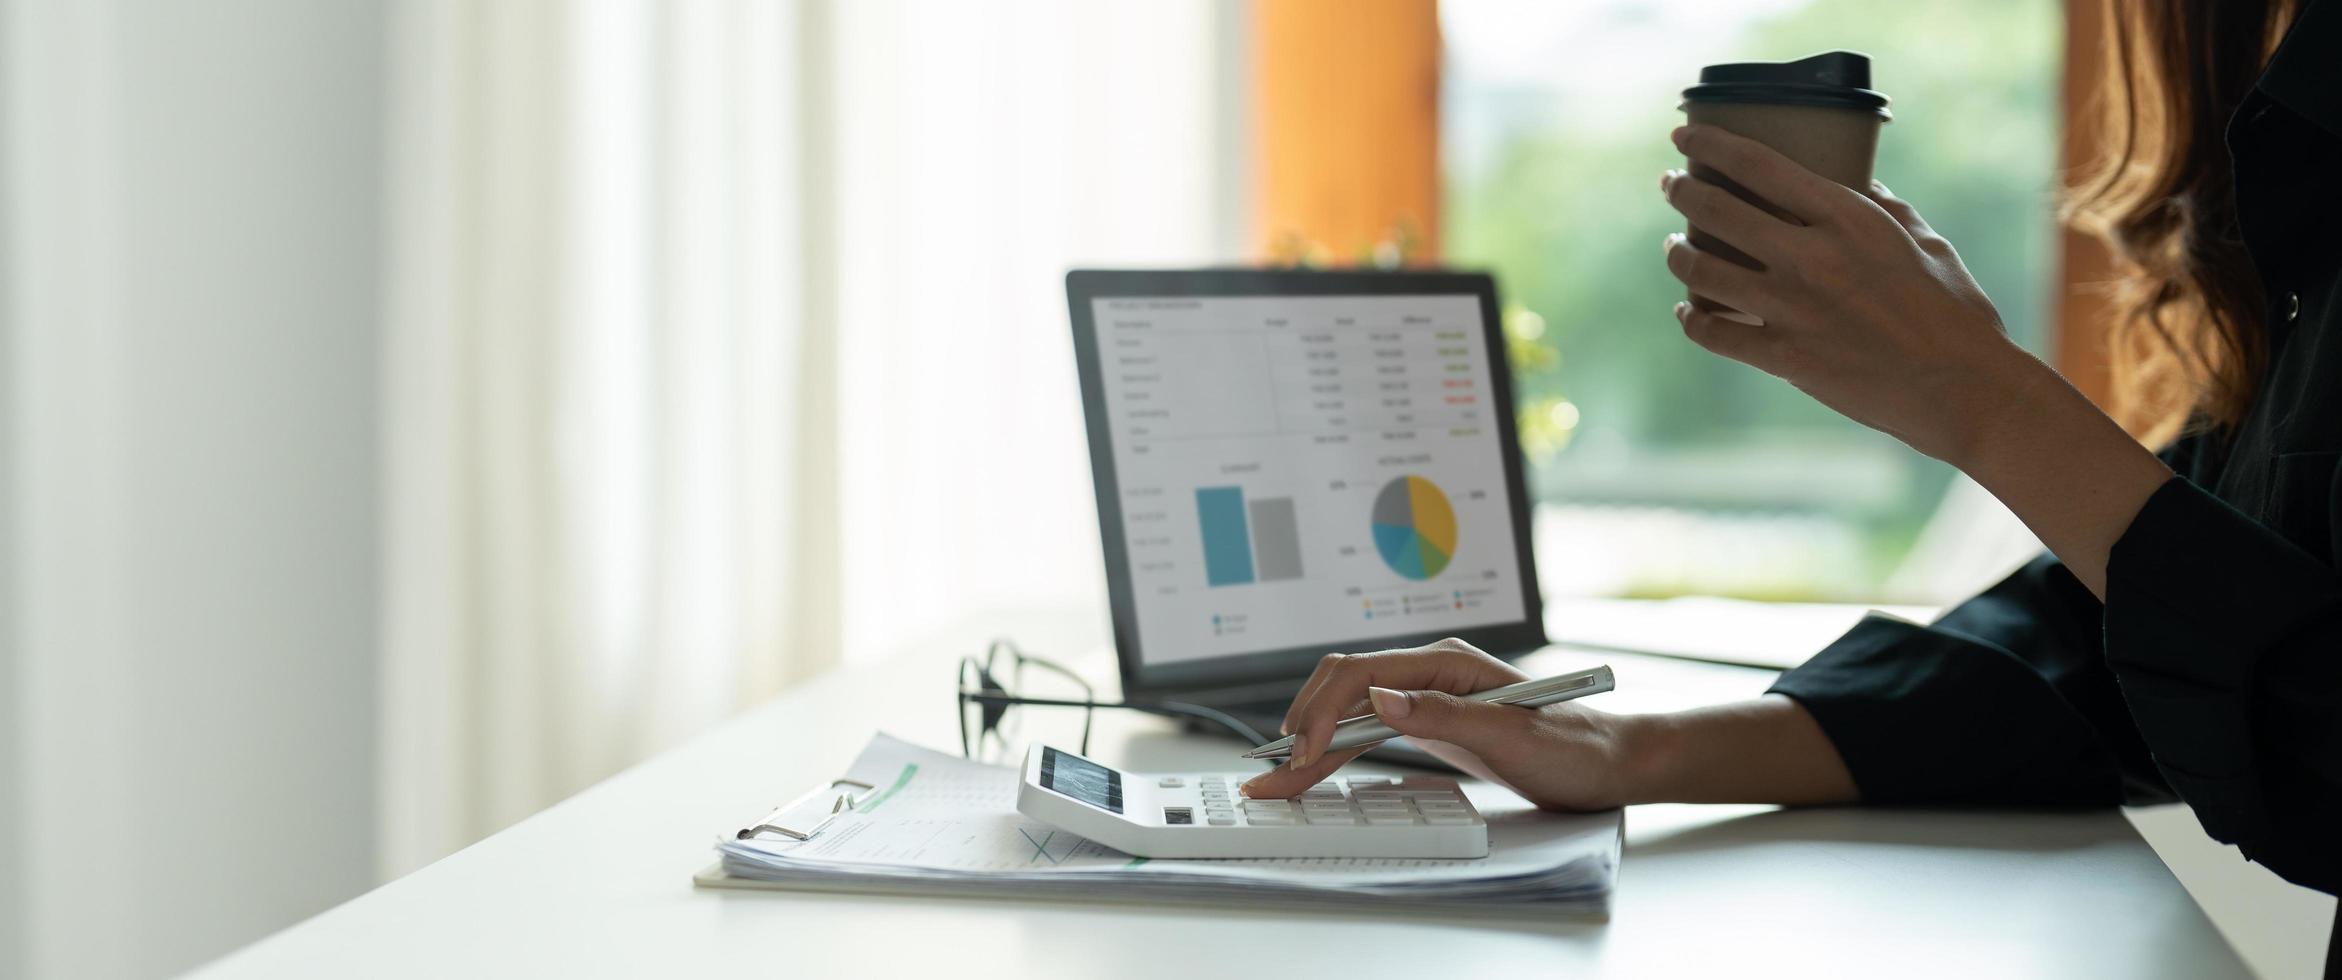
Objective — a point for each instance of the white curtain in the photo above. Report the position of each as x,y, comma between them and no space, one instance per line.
980,150
727,341
597,430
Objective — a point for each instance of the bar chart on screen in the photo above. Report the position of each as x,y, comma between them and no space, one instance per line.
1247,541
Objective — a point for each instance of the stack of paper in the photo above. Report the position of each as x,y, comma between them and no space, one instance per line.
940,823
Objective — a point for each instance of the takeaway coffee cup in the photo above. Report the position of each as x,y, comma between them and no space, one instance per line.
1819,111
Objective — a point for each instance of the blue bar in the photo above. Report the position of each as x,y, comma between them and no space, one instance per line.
1227,542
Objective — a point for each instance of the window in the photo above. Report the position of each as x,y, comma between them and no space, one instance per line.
1663,469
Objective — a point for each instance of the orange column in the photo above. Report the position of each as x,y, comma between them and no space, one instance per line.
1345,128
2083,313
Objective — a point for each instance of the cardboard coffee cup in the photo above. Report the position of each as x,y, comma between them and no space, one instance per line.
1819,111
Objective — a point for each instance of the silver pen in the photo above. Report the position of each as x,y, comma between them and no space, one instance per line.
1367,729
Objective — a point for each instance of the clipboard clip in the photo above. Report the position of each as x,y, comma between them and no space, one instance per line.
800,819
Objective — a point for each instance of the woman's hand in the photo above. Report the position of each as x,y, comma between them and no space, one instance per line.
1863,306
1868,310
1563,756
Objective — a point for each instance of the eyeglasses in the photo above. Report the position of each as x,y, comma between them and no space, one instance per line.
987,704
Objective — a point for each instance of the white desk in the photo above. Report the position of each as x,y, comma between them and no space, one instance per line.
600,884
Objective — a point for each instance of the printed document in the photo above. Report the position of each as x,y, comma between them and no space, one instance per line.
937,821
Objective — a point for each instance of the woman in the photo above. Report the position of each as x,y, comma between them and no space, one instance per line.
2181,639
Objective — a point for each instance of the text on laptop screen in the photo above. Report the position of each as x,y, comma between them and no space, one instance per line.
1306,470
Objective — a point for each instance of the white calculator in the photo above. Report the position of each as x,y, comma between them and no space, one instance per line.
1163,815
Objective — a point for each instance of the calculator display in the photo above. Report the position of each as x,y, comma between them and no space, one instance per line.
1081,779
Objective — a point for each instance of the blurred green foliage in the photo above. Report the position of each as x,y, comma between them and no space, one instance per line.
1570,218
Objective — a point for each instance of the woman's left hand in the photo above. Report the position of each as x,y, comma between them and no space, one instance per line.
1862,305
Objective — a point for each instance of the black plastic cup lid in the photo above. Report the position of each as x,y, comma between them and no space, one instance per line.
1834,79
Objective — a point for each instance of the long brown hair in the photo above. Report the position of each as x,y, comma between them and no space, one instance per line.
2188,341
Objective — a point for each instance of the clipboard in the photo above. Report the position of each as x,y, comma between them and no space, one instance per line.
914,821
806,816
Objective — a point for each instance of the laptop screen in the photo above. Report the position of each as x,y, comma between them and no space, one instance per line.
1305,473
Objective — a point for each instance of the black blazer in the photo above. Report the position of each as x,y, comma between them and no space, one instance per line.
2213,671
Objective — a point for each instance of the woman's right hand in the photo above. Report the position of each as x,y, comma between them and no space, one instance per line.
1561,757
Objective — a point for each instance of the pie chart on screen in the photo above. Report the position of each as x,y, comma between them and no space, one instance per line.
1414,528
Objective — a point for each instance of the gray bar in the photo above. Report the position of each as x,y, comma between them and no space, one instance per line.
1276,539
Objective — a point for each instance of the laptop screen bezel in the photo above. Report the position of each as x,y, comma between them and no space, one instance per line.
1260,670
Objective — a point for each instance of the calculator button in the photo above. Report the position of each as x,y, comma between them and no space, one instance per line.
1269,819
1333,807
1447,819
1334,819
1280,806
1171,782
1389,819
1444,795
1371,809
1222,819
1357,781
1381,798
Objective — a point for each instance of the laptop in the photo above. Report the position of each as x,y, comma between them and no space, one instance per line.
1295,463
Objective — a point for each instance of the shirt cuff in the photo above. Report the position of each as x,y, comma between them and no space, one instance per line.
1923,715
2201,587
2197,594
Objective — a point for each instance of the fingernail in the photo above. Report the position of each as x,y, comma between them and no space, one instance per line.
1667,243
1246,786
1389,703
1682,309
1676,135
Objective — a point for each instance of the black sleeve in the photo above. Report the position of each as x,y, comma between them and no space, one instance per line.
2227,641
2005,699
2213,671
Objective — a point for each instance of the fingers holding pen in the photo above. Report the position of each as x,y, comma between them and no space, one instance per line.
1311,762
1337,689
1291,778
1326,667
